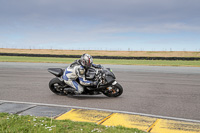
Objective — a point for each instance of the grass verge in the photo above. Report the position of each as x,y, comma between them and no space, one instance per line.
101,61
31,124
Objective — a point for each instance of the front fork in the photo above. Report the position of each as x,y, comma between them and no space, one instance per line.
114,83
110,88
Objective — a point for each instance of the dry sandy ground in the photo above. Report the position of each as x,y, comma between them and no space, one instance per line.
105,53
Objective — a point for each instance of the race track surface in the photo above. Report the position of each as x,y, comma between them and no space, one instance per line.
165,91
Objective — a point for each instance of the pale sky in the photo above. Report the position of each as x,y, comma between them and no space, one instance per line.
101,24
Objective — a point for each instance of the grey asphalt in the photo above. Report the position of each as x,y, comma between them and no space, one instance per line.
165,91
14,108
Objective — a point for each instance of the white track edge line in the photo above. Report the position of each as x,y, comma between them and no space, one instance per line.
108,110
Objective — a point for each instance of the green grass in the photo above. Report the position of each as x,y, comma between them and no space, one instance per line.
101,61
31,124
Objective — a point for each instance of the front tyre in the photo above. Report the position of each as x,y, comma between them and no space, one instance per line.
114,90
56,86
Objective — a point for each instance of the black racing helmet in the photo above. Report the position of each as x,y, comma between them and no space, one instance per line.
86,60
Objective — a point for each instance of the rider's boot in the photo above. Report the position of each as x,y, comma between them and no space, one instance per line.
69,90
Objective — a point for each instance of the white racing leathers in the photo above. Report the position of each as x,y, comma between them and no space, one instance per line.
74,71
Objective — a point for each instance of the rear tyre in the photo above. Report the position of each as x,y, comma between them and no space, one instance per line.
115,91
56,86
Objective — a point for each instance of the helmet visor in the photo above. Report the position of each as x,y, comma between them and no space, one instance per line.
89,62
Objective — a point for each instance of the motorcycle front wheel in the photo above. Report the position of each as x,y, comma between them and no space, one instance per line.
114,90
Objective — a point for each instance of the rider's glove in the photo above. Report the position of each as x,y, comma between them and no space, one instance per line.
99,66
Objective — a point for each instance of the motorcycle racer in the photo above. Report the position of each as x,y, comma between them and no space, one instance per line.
77,70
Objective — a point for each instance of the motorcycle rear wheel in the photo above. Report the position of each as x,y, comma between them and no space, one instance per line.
55,86
116,91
